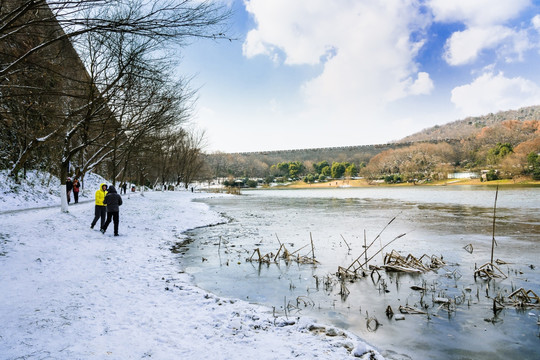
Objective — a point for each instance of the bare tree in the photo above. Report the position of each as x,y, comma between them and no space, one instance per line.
188,157
34,37
162,21
145,99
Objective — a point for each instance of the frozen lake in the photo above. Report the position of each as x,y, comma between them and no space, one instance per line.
437,221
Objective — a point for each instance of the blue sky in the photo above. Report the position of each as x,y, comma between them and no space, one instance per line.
319,73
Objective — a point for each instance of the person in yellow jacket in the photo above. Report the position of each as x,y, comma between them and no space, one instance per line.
101,208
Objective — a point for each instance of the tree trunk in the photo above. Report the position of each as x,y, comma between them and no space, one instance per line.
63,192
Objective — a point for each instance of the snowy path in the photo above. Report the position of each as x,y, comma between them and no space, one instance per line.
69,292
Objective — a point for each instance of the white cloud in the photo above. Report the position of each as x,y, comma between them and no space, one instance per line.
423,85
255,46
536,22
464,47
365,48
485,29
491,93
303,30
477,12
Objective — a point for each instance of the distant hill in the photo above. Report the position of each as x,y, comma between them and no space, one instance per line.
471,126
360,153
484,131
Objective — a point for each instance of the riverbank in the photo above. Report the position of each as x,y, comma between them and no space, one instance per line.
70,292
343,183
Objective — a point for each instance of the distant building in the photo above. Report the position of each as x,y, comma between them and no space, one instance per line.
463,175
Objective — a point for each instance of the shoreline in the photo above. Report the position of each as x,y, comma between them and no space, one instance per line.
362,183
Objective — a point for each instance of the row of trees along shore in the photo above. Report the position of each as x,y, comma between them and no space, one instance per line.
88,85
507,149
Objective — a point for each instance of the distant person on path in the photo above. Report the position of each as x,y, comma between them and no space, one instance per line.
76,187
69,187
113,200
124,188
101,208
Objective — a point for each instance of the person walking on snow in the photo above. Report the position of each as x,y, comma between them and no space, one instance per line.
113,200
101,208
69,187
76,186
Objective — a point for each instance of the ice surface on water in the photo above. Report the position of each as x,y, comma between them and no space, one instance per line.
437,221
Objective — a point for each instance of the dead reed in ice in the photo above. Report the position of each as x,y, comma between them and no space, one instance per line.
285,254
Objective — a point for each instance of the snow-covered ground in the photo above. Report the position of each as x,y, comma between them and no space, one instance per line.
70,292
40,189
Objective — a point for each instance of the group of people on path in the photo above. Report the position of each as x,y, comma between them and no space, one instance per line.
108,203
74,186
107,206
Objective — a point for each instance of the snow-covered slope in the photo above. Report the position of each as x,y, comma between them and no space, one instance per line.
40,189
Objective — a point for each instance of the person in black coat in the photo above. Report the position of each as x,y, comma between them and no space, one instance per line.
113,200
69,187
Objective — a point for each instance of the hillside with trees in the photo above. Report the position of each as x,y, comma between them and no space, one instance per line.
472,126
259,164
502,145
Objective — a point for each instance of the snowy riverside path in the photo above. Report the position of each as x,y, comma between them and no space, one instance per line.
69,292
